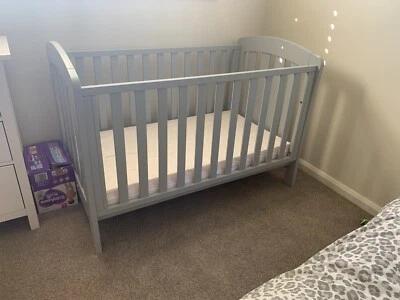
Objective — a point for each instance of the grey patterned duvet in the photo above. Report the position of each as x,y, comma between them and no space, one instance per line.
364,264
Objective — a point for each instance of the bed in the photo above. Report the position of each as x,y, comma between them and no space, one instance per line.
364,264
146,125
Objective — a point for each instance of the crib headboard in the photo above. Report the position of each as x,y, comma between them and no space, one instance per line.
274,52
267,52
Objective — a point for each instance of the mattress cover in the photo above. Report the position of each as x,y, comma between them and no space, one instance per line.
108,153
364,264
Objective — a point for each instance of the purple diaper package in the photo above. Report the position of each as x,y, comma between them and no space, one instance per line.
51,176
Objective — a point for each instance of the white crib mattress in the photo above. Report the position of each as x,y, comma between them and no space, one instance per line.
110,172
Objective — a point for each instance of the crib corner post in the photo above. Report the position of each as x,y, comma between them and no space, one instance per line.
86,133
291,173
94,228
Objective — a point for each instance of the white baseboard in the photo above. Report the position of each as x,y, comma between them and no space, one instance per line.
340,188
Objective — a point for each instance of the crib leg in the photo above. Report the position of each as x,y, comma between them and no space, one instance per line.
291,173
94,228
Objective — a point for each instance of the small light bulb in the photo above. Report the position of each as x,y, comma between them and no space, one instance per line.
324,62
332,26
329,39
282,47
280,59
335,13
326,50
295,19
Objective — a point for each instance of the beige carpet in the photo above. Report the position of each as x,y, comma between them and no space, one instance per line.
215,244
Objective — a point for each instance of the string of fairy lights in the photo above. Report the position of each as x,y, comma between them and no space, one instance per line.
329,37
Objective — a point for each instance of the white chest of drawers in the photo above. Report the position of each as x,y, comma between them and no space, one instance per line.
15,194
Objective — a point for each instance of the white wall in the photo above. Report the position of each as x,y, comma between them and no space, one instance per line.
354,135
102,24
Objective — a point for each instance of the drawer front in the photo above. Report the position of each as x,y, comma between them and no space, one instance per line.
5,154
10,194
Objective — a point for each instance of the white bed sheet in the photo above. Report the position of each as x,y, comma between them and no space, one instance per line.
110,173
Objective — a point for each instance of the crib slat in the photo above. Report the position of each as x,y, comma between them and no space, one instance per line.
247,122
277,117
219,101
98,76
114,69
98,69
225,61
237,87
141,131
200,117
303,113
160,66
182,122
225,68
200,63
130,61
80,69
119,146
234,67
211,92
146,66
261,122
251,61
264,60
187,73
93,104
174,91
219,62
235,61
174,65
213,61
187,64
162,139
242,61
147,76
286,127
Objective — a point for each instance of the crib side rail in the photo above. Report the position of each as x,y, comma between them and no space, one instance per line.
110,66
113,66
257,80
125,87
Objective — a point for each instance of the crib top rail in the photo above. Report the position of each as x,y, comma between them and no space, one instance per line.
124,87
74,54
61,61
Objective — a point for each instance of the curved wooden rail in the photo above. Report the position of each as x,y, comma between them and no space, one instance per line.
282,48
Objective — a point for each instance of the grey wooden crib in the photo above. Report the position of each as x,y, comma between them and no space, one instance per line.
144,126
